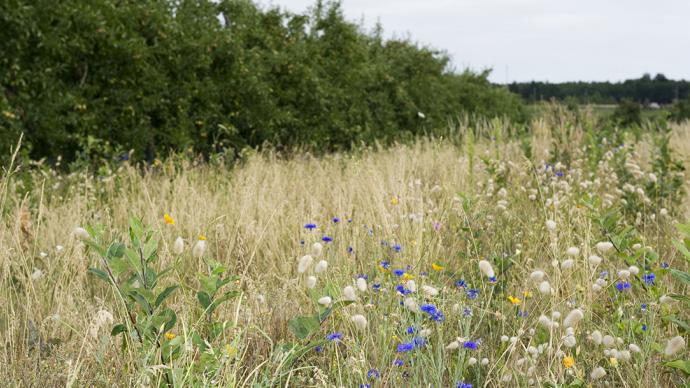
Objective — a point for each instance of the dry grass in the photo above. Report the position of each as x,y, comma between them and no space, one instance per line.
253,217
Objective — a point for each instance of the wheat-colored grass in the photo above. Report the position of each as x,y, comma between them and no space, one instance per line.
253,217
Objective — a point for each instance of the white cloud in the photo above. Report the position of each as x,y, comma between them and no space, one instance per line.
555,40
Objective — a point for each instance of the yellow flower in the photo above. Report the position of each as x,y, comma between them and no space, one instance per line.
230,350
613,361
202,237
436,267
514,300
527,294
569,362
168,219
407,276
394,201
170,336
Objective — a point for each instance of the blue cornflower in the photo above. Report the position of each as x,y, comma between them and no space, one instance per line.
376,286
522,313
604,274
472,293
334,336
434,313
398,362
398,272
644,327
664,265
460,283
365,386
326,239
310,226
622,286
350,249
317,349
301,242
397,247
419,342
429,309
411,330
643,307
349,220
405,347
438,317
463,385
385,264
401,289
559,173
467,312
492,279
424,274
470,345
649,279
336,220
373,374
362,276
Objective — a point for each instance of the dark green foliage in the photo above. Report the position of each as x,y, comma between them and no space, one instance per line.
680,111
92,80
644,90
628,113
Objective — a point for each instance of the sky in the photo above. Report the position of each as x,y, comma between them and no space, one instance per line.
543,40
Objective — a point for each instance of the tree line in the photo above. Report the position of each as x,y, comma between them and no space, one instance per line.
95,79
645,90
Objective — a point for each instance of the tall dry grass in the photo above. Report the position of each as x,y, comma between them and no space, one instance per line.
252,216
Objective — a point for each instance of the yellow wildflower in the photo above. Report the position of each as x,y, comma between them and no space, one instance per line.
230,350
613,361
527,294
514,300
394,201
436,267
407,276
202,237
168,219
569,362
170,336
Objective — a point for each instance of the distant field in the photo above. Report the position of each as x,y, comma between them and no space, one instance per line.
486,262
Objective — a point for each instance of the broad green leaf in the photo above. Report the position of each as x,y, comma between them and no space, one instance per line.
96,246
141,300
115,250
100,274
303,326
208,284
164,295
682,276
682,248
684,229
218,301
204,299
119,266
150,249
673,319
681,298
682,365
118,329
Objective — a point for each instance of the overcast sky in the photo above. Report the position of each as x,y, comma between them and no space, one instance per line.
547,40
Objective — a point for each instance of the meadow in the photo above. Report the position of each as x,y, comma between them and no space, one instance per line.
558,257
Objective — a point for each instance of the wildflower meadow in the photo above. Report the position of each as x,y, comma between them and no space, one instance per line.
557,256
